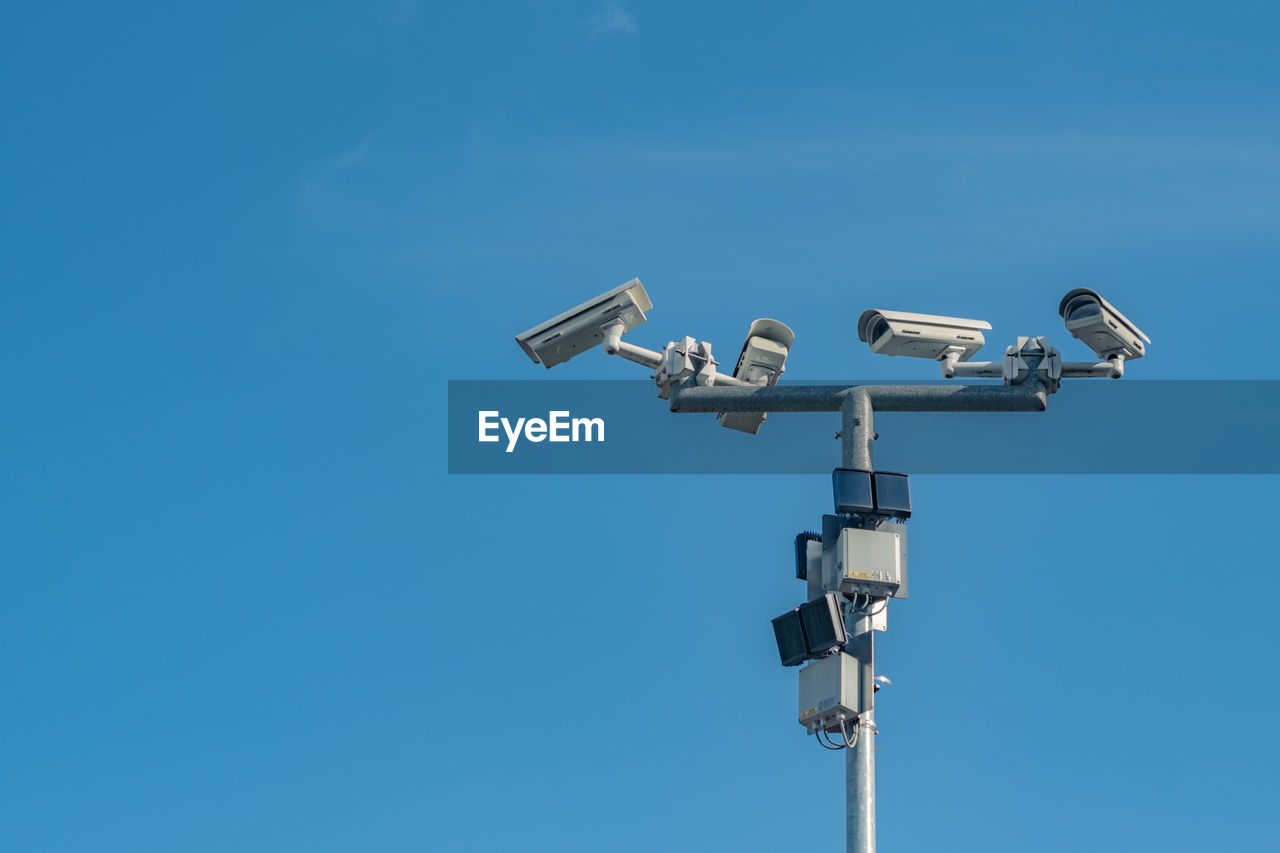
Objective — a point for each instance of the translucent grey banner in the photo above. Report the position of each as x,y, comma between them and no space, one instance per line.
1092,426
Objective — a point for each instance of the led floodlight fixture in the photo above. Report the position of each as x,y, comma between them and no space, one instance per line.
789,634
893,494
810,630
581,328
853,494
823,624
860,492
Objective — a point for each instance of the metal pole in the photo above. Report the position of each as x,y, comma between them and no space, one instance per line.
857,405
857,429
856,434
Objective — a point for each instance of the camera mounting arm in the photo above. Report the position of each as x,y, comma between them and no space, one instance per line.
678,360
1112,368
603,321
1026,356
614,345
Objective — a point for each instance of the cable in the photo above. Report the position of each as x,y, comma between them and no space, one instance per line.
861,601
844,733
824,739
825,744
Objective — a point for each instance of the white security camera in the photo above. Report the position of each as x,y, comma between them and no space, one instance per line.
1104,330
581,328
762,361
921,335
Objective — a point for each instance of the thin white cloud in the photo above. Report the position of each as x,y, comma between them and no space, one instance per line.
612,19
348,158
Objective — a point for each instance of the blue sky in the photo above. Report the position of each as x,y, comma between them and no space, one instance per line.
244,247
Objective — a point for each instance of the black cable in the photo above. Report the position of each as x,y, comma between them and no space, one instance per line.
828,744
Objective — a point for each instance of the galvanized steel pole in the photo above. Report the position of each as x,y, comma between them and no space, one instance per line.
857,431
857,405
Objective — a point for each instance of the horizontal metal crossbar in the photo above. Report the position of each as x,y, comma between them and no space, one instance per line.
1027,397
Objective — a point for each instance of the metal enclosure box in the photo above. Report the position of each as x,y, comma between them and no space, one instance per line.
869,561
829,692
832,554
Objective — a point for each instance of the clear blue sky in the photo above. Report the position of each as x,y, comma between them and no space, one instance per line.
244,246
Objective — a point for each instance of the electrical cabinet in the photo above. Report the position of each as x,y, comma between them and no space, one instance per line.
869,561
829,692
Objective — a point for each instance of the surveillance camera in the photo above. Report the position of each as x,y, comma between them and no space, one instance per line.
1104,330
921,335
581,328
764,353
763,359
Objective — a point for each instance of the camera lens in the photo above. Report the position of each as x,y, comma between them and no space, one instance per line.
1081,307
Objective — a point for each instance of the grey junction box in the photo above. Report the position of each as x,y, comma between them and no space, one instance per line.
829,692
869,561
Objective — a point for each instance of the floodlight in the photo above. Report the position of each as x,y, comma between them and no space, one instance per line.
823,624
789,633
893,494
581,328
859,492
853,491
810,630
